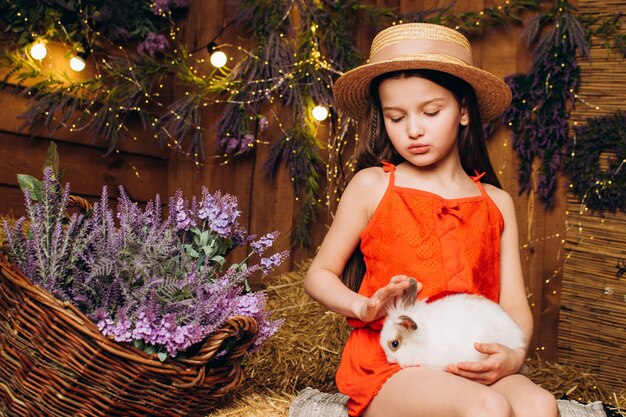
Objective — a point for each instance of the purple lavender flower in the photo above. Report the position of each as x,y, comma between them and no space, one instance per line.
267,328
246,142
153,43
180,215
251,304
263,124
264,242
144,327
122,330
104,322
140,280
268,264
232,144
220,212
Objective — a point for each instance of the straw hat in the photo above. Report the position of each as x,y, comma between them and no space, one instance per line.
420,46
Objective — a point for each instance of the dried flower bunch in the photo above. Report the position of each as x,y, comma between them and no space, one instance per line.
159,282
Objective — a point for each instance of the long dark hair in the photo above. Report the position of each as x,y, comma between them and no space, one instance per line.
376,147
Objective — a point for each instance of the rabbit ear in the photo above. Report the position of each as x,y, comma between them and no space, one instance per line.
410,294
406,323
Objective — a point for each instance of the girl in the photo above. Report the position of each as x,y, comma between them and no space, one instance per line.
424,213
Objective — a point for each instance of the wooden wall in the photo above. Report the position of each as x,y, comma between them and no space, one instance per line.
593,297
271,206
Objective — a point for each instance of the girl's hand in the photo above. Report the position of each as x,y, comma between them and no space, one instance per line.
376,307
502,361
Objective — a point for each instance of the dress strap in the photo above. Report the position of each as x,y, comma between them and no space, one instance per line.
391,168
388,166
476,180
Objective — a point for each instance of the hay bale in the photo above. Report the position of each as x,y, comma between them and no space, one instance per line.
268,404
305,352
575,382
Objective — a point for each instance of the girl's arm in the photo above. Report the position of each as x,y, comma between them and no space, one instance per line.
354,211
502,360
513,296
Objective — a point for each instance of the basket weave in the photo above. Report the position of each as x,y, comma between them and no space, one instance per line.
54,362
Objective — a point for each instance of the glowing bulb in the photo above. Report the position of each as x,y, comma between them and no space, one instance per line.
38,51
77,63
320,113
218,59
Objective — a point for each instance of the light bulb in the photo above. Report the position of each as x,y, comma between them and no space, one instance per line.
77,63
320,113
38,51
218,59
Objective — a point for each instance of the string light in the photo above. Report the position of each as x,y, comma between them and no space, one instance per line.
320,113
77,63
38,50
218,59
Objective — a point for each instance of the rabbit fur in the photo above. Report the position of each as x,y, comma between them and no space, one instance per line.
444,331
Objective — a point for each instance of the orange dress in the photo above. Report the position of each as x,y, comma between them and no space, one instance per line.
449,245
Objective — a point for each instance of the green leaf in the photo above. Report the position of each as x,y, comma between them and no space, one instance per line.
162,356
219,259
52,159
30,183
204,238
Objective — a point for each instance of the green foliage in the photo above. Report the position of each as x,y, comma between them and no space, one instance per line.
76,21
293,69
33,185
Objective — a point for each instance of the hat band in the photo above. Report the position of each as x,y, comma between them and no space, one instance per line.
422,46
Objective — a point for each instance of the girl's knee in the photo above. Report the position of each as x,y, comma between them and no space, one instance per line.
541,404
491,403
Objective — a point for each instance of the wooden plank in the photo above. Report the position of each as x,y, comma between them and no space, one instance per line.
184,174
136,140
86,169
12,201
275,207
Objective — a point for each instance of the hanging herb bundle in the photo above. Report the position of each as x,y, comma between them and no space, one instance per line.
542,99
259,76
124,84
599,188
78,22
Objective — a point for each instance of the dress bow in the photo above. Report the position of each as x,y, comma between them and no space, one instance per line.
450,208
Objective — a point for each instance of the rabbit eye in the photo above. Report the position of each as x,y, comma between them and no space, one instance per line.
394,345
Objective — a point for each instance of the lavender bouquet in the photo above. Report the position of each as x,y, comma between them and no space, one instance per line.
160,282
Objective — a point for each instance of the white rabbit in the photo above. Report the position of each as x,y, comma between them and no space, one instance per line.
444,331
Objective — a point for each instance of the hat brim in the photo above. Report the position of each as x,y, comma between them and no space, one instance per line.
352,89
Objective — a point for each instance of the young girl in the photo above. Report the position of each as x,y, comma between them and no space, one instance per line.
425,203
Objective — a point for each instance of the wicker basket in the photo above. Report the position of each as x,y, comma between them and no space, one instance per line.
54,362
